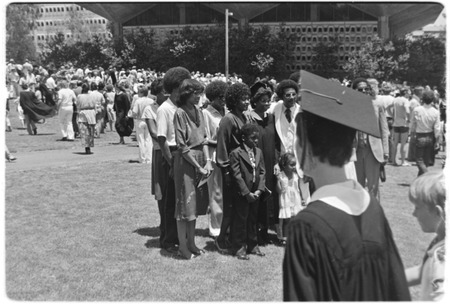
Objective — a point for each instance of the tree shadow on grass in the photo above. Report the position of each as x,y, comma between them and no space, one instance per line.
38,134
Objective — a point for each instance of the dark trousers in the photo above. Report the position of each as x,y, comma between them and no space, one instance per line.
424,151
227,195
243,228
169,234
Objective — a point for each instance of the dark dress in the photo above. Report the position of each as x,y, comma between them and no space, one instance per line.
334,256
35,109
269,143
124,125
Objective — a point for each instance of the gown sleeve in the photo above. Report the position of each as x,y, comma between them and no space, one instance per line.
298,271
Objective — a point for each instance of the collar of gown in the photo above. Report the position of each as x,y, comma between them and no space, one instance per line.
348,196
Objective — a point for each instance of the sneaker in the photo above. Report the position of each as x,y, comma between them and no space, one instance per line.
406,164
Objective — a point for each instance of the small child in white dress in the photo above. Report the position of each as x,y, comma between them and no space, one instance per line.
291,199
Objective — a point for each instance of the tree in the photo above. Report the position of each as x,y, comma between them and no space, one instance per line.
326,59
426,63
20,22
375,59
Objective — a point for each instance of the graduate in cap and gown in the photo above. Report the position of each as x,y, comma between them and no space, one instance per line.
340,247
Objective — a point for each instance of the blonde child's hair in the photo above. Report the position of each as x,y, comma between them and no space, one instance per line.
429,189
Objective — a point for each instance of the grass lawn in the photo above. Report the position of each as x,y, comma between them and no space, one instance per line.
89,232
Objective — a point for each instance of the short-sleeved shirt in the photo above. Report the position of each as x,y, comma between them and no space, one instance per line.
150,113
164,121
67,97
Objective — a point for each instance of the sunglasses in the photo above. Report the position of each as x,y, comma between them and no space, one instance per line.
364,90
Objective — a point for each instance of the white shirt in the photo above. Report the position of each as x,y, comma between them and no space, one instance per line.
164,121
66,98
150,113
425,119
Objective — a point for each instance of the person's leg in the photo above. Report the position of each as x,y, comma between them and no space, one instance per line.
171,237
403,139
148,145
412,149
239,226
191,238
420,150
182,237
252,219
215,201
395,143
62,122
140,139
227,218
360,165
372,170
28,124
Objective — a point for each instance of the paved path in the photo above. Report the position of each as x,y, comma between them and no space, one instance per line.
57,158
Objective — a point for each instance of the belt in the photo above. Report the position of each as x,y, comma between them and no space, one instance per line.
173,148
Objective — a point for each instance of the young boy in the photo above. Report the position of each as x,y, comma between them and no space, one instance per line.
427,193
248,176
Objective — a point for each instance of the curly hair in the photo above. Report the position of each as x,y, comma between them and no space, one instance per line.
188,88
174,77
286,84
236,92
249,128
215,89
258,95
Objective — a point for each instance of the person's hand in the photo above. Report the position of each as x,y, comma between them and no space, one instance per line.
276,170
386,158
437,146
208,167
251,197
203,171
227,179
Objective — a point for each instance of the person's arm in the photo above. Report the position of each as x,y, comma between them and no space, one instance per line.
165,149
413,275
237,177
152,129
384,130
162,124
413,126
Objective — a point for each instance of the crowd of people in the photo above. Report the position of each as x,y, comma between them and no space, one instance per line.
303,156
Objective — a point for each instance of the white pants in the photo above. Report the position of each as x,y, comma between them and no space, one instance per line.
215,201
65,121
144,141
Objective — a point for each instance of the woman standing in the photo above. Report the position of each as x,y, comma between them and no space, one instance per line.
86,118
269,143
66,99
229,137
191,164
124,124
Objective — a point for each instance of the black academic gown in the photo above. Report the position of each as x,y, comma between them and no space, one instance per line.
35,109
333,256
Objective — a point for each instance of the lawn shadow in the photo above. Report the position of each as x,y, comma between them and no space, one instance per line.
82,153
148,231
404,184
38,134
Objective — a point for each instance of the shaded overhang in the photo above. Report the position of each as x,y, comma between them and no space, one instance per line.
403,17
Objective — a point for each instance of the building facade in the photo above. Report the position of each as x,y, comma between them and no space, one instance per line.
74,21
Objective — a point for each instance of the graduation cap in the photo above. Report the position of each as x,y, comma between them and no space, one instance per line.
333,101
